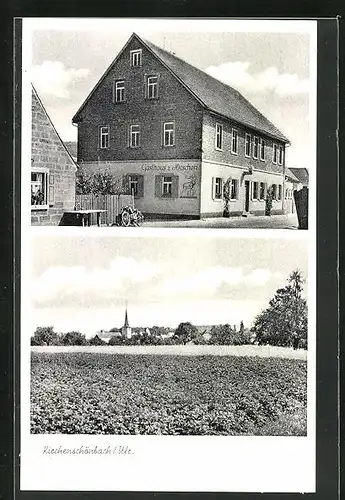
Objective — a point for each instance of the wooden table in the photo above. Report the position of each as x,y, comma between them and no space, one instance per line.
86,215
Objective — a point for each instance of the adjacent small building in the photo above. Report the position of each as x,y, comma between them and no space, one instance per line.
52,170
176,138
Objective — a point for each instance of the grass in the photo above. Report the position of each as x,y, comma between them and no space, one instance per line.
98,393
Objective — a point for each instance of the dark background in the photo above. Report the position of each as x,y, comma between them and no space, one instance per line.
327,455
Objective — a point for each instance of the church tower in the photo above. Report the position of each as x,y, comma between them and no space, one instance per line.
126,330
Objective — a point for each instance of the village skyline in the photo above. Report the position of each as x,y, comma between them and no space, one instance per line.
82,287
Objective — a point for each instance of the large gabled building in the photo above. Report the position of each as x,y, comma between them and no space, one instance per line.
174,136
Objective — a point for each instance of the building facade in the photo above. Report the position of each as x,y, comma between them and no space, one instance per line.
176,138
52,170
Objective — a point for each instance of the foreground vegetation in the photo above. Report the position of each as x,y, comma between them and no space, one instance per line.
94,393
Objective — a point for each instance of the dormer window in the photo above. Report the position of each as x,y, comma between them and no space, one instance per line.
135,58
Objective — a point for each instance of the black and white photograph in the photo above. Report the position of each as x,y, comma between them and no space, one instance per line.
168,276
169,128
130,341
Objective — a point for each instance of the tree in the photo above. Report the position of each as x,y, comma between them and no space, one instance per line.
186,332
222,335
243,336
285,321
45,335
97,183
73,338
96,341
115,340
83,182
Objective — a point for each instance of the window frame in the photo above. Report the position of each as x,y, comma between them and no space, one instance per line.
45,172
115,99
234,183
275,153
136,182
274,192
218,194
256,137
150,85
134,134
173,134
246,142
262,186
281,154
167,194
219,135
262,149
280,192
102,134
132,56
233,151
255,184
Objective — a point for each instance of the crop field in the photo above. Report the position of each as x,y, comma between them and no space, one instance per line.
101,393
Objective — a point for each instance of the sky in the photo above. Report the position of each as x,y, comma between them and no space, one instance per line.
270,68
83,283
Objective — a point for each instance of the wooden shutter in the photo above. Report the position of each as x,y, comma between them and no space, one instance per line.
51,190
125,184
158,186
140,185
213,193
237,188
175,183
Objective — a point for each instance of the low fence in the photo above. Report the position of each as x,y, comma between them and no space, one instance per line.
112,203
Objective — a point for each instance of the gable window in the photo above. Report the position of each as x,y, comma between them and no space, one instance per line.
104,137
256,147
39,188
152,87
135,56
219,136
281,155
134,136
168,134
275,153
262,149
262,190
255,190
234,141
247,146
234,189
119,91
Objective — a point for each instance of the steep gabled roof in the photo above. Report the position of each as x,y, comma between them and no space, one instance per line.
210,92
291,175
41,105
302,175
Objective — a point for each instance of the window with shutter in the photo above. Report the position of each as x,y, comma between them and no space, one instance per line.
40,194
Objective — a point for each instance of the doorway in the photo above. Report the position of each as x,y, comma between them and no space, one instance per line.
246,200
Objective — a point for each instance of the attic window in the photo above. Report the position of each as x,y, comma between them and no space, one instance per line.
135,57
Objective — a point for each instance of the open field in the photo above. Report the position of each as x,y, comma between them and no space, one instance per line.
98,393
263,351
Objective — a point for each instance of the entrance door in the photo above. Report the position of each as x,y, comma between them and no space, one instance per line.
246,202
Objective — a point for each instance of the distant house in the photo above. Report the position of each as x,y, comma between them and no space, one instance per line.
52,170
71,147
302,174
180,140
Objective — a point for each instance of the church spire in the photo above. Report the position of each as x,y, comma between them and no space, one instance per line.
126,325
